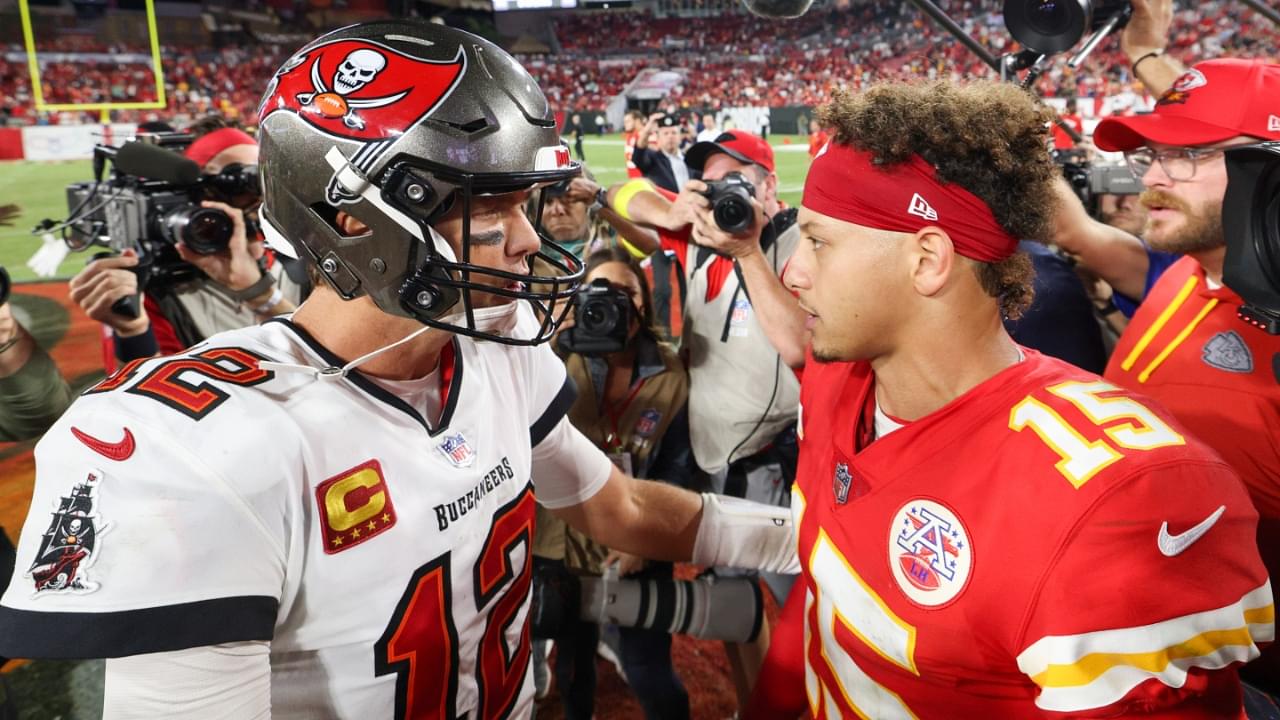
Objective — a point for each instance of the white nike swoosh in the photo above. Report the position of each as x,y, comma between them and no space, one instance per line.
1171,545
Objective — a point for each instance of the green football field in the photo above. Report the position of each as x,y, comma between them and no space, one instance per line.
39,189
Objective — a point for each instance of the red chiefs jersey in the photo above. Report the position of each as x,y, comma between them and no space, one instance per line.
1046,545
1220,376
629,147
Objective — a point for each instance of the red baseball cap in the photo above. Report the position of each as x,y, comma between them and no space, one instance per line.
737,144
1215,100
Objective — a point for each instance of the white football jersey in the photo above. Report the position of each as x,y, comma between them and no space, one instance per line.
199,499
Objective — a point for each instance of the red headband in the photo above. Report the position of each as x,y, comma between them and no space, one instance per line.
845,184
204,149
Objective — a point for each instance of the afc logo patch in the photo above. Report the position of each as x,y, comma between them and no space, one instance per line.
929,552
354,505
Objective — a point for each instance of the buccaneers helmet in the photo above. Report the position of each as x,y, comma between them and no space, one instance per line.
396,123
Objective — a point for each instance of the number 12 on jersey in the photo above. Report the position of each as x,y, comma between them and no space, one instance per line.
420,644
1127,423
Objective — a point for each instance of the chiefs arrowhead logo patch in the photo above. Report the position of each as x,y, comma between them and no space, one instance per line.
361,90
1181,89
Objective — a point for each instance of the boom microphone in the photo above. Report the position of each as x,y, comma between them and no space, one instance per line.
156,163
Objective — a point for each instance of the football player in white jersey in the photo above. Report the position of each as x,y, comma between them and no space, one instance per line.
329,515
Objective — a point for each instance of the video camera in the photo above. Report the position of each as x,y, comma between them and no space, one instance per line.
1091,180
730,199
1251,224
151,202
1053,26
601,319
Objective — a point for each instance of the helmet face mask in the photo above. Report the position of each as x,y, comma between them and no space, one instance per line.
443,118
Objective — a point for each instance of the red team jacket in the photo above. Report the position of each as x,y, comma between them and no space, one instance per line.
1218,375
1046,545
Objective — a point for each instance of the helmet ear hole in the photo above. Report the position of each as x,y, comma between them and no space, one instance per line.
423,295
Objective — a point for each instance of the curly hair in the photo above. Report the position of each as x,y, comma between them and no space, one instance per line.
990,138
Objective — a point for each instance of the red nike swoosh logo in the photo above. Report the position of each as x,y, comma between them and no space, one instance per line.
116,451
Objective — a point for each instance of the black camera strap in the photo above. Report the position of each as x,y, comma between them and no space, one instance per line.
768,238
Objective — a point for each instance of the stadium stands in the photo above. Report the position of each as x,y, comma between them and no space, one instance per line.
726,60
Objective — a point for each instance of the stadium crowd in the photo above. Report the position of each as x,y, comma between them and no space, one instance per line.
948,341
726,61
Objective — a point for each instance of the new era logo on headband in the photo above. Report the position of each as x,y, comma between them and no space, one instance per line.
1273,124
921,208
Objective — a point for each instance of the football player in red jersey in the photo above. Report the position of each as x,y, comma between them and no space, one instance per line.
985,532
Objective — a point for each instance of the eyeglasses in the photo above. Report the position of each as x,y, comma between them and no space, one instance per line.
1178,163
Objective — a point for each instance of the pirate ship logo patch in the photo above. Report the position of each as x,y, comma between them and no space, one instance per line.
70,545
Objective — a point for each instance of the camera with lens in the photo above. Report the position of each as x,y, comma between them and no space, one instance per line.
1251,225
601,319
730,199
151,202
1053,26
1090,181
5,285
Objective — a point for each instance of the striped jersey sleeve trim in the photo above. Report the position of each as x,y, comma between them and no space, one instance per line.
1095,669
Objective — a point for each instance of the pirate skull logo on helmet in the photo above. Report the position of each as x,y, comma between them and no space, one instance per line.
357,70
396,123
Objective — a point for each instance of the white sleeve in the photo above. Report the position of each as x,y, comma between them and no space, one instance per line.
552,392
145,546
567,468
231,681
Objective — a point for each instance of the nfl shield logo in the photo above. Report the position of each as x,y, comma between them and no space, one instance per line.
648,422
840,484
457,450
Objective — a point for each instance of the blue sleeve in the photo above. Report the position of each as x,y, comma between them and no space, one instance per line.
1157,262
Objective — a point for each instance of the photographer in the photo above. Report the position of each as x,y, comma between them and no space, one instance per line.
239,286
575,215
1185,346
743,439
632,392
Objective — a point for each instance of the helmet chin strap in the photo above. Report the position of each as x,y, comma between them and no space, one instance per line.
497,320
333,373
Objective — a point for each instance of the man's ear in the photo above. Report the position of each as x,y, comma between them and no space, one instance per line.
933,255
349,226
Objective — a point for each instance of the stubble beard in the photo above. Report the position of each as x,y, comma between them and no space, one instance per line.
1200,230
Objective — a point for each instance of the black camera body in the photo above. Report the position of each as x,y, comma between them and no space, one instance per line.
152,201
1251,224
601,319
730,199
149,215
1089,181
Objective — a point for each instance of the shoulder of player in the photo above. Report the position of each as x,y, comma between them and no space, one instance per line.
213,393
